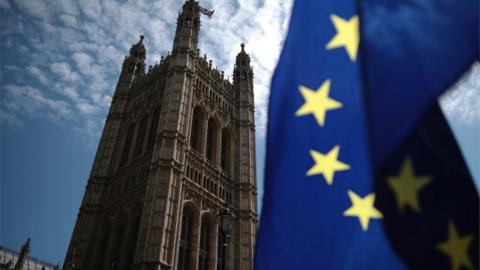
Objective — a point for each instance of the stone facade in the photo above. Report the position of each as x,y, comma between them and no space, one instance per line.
177,148
9,260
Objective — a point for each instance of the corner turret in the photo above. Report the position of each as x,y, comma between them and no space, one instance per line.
188,28
242,72
133,66
243,88
243,78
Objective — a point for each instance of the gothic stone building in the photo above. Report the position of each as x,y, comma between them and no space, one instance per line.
177,148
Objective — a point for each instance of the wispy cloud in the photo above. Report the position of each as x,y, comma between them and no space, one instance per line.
37,8
68,20
38,74
31,102
262,26
64,72
71,51
4,4
10,118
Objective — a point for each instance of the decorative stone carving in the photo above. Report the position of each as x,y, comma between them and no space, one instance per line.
164,95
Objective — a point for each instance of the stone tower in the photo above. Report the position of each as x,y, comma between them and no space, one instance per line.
178,147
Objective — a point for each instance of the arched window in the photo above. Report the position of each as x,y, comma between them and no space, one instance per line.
188,22
204,252
185,249
212,135
153,127
196,132
141,136
127,145
244,76
226,150
132,242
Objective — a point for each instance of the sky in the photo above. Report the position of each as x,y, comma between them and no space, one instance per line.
60,60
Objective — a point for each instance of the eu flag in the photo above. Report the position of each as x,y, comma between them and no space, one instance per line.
362,171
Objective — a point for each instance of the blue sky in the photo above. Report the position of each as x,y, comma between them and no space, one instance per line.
59,65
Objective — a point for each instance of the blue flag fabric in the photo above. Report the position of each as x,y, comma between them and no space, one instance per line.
360,176
413,50
446,199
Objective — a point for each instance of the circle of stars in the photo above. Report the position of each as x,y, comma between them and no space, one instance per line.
406,186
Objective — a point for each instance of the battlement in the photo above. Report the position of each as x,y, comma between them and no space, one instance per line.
177,147
213,76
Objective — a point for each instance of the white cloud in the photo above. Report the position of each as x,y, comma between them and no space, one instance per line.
81,46
67,6
91,8
10,119
75,49
67,90
37,8
12,68
462,101
262,28
64,71
84,48
4,4
38,74
68,20
87,108
83,61
31,102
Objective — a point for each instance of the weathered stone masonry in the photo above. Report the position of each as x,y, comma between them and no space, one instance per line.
178,146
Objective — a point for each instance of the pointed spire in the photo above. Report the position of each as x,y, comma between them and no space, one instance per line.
242,70
133,66
22,257
242,57
138,49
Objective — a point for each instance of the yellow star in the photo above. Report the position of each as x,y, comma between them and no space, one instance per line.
317,102
327,164
456,248
362,208
347,35
406,186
